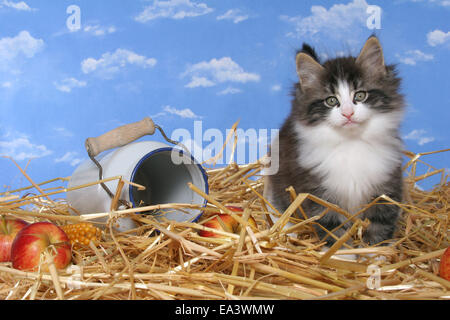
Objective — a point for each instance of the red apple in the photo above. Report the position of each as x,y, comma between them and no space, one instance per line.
444,266
9,227
31,243
235,209
231,225
251,222
214,223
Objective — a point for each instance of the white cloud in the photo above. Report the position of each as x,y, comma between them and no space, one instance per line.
21,6
199,82
19,147
173,9
183,113
419,136
61,131
233,14
209,73
111,63
68,84
275,87
89,28
438,37
70,158
229,90
6,84
21,45
411,57
444,3
159,114
338,20
97,30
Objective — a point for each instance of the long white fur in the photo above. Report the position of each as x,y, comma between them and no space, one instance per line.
352,160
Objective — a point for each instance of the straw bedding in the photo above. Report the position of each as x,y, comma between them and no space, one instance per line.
261,263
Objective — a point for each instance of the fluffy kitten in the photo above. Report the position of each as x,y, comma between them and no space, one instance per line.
341,140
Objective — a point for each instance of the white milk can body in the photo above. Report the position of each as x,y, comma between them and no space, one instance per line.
146,163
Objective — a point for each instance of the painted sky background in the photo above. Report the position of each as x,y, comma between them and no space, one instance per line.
179,61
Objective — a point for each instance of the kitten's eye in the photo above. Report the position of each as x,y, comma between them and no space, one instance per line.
360,96
331,101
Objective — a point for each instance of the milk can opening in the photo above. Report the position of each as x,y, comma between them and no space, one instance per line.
166,182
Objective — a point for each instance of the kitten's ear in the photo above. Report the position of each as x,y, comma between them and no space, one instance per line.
371,57
308,70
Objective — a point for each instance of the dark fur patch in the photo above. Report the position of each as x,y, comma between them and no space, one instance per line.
306,48
383,218
317,111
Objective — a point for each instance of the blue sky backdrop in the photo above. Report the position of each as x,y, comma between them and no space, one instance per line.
179,61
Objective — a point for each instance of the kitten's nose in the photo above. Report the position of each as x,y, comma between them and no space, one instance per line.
348,112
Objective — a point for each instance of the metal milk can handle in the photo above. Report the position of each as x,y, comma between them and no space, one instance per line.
120,136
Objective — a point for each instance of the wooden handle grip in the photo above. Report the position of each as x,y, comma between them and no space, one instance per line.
120,136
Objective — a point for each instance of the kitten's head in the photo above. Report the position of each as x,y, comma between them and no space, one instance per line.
347,94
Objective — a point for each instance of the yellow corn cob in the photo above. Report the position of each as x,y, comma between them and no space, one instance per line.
82,233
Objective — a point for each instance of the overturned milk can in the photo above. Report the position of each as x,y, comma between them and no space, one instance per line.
163,170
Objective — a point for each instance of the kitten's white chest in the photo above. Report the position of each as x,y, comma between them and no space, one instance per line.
350,169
